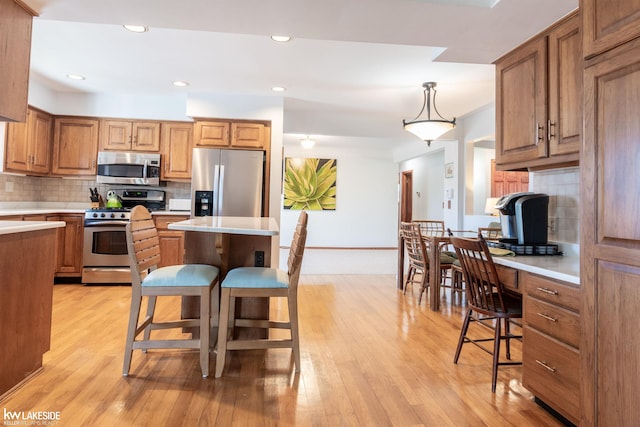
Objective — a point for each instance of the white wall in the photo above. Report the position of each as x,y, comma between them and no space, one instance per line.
366,214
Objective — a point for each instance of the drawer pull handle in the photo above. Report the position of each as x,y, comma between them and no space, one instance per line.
547,291
544,365
546,316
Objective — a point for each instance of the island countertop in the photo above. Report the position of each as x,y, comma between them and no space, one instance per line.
255,226
8,227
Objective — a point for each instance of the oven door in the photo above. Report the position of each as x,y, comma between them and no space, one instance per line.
105,258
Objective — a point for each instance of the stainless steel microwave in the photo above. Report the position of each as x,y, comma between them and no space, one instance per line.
128,168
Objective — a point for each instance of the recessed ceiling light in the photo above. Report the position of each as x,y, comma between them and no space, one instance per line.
281,39
75,77
278,89
180,83
136,28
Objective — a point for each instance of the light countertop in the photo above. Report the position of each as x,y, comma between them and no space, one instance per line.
257,226
565,268
10,227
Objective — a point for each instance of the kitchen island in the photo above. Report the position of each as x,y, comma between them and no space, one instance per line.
27,264
229,242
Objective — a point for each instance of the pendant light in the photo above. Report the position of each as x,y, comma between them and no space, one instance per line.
427,128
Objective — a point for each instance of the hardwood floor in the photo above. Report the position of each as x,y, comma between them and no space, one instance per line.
370,356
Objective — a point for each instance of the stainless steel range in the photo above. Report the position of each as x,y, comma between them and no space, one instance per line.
105,258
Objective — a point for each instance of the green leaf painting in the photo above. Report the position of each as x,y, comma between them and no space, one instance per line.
310,184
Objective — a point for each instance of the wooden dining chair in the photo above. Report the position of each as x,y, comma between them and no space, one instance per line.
244,282
149,280
418,258
486,297
490,233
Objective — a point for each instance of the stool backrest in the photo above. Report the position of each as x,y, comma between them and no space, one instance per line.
484,290
143,244
294,262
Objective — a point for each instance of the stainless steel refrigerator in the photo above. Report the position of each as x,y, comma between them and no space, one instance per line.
227,182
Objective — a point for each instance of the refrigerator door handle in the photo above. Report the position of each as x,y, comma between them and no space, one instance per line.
220,188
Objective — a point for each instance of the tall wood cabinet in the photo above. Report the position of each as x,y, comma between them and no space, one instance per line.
28,144
610,231
538,100
16,20
75,146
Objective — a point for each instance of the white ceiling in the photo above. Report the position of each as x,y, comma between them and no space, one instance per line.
356,64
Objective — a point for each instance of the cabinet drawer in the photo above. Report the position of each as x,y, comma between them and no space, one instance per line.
508,277
162,222
559,293
555,321
551,371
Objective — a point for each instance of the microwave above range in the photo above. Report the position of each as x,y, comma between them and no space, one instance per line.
128,168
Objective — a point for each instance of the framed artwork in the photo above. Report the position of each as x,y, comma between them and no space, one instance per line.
310,184
448,170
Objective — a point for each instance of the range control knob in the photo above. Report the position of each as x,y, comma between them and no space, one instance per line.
123,216
102,215
95,215
113,215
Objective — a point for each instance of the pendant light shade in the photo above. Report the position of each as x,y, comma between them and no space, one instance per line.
427,128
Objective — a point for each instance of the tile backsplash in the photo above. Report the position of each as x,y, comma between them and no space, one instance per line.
15,188
563,188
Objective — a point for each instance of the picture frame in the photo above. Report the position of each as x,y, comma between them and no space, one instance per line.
448,170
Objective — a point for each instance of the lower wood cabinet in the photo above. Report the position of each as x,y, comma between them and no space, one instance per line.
171,241
551,334
69,245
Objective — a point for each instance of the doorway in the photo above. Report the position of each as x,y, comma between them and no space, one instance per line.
406,196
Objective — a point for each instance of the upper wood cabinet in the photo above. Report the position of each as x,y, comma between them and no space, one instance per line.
231,134
75,146
16,20
129,135
176,146
28,145
608,23
538,100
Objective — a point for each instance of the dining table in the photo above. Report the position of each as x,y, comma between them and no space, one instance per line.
434,245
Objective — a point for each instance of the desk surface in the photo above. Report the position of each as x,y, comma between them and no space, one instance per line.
255,226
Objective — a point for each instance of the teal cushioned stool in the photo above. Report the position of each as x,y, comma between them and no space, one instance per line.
147,279
244,282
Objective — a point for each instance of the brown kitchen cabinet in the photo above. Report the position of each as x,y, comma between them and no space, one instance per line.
551,334
75,146
129,135
232,134
609,232
538,100
28,144
609,23
70,243
15,33
176,145
171,241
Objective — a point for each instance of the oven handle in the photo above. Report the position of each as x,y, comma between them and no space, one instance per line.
104,223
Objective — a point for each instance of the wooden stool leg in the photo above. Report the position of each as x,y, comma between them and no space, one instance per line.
134,313
293,320
205,325
225,300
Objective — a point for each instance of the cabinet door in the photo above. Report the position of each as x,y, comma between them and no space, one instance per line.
211,134
564,127
16,154
608,23
70,245
115,135
247,135
146,136
177,142
40,141
610,238
171,247
75,146
15,33
521,87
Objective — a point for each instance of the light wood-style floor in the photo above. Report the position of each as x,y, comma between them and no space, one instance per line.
370,357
